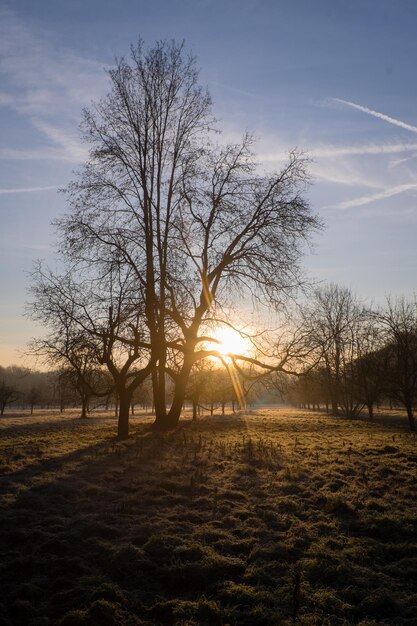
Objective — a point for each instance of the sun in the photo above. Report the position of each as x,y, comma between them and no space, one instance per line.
231,341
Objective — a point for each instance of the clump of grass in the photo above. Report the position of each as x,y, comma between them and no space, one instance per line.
380,605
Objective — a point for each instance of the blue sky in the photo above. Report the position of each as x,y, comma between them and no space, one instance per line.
334,78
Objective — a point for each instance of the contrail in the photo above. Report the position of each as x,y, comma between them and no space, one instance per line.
381,116
386,193
27,189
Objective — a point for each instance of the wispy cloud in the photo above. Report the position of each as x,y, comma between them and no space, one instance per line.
39,75
27,189
396,162
344,172
381,116
331,151
70,143
367,199
40,154
46,84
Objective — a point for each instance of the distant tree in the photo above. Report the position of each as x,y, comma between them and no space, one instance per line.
370,365
309,390
142,395
221,382
63,392
84,379
196,386
332,318
225,389
354,345
8,394
279,386
11,385
398,322
33,396
35,389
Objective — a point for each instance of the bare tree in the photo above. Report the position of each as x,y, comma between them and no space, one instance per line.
370,365
332,319
310,390
94,320
193,224
8,394
196,386
399,329
11,385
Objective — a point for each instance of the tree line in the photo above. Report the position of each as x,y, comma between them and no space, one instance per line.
209,389
362,356
25,389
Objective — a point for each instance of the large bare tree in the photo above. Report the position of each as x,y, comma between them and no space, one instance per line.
192,222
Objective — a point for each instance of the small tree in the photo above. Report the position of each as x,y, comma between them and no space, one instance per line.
93,323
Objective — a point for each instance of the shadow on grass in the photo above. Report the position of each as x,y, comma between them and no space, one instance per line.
244,520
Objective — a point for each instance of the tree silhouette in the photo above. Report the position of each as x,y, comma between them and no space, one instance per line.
192,222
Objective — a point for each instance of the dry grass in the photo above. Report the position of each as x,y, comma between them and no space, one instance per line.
271,518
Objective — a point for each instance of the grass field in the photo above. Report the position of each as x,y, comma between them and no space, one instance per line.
273,517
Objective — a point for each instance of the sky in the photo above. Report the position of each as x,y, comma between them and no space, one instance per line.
335,79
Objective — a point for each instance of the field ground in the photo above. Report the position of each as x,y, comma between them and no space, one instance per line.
273,517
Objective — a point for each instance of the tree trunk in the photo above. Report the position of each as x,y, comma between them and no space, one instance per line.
123,422
84,405
158,401
166,420
410,415
194,410
370,408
